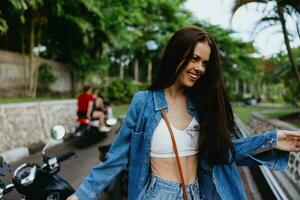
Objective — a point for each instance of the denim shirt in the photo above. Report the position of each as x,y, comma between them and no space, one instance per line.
131,148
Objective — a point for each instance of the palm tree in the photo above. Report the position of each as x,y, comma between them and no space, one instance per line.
293,3
274,17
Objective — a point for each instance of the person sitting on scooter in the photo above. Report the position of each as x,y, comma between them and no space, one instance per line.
83,101
98,115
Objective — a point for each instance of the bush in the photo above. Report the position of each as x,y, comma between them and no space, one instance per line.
46,77
235,96
120,91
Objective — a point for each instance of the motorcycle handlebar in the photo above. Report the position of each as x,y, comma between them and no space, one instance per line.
65,156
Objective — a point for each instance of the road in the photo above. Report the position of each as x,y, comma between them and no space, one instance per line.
73,170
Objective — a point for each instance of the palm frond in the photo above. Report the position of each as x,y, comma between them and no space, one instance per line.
263,24
239,3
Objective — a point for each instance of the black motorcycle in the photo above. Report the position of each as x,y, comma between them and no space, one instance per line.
4,188
36,182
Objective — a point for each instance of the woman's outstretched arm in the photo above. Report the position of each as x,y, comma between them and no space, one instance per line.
270,149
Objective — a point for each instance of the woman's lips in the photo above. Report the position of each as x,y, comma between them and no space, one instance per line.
193,76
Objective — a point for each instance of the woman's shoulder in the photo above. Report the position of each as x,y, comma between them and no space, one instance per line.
141,96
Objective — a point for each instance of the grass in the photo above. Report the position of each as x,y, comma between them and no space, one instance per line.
120,110
280,113
244,112
27,99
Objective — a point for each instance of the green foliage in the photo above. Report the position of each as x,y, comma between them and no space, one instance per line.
282,73
3,26
235,97
274,14
120,91
46,76
97,37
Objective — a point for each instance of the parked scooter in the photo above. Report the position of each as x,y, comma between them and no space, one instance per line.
43,183
4,188
87,131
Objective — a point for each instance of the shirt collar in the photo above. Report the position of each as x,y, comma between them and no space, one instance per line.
160,102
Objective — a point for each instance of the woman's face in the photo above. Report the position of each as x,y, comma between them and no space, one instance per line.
196,66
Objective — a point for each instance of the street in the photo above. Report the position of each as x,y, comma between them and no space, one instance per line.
73,170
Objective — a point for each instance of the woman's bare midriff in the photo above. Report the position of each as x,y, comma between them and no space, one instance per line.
166,168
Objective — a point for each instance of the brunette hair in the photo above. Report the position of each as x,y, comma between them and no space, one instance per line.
86,88
208,93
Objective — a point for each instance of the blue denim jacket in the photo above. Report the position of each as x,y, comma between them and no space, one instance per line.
131,148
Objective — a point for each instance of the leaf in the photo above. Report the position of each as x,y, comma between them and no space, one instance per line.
3,26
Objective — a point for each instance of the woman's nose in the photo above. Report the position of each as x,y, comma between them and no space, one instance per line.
199,67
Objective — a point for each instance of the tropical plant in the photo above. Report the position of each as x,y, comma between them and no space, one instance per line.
272,17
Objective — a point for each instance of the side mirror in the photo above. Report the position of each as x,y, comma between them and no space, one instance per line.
56,133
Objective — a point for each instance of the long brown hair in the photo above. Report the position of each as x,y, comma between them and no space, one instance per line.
208,93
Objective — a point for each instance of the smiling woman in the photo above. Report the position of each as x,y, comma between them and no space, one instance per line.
177,137
196,67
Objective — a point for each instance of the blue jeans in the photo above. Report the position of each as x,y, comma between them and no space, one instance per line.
162,189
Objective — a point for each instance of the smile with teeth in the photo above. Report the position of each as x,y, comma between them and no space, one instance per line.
193,76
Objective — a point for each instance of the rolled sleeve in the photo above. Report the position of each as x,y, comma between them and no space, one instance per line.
259,150
85,194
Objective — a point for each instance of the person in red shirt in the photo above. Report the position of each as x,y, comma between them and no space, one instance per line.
83,101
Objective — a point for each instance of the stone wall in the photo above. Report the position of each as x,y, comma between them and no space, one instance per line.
259,123
12,74
26,124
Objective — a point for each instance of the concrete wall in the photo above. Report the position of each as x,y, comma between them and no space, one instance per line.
12,74
259,123
26,124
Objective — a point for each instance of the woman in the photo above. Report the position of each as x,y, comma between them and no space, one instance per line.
98,115
190,89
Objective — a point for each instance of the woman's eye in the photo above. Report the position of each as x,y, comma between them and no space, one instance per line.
193,59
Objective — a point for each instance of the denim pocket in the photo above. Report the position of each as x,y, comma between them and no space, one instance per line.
136,145
150,195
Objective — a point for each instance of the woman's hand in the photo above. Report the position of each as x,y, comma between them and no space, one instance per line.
288,140
73,197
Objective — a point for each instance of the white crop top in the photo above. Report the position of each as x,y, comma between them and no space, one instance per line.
186,140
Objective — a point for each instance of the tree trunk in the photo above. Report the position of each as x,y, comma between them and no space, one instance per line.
24,64
35,80
73,81
31,65
136,70
244,88
121,72
287,43
36,68
149,77
237,86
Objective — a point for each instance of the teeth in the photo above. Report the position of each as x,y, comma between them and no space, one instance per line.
193,75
